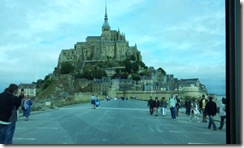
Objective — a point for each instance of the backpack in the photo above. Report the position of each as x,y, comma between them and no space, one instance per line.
97,102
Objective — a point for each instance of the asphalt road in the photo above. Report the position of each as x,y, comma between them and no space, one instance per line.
115,122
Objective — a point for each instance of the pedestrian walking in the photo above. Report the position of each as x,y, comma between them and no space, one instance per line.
203,106
97,102
163,105
150,104
200,104
26,107
156,105
222,113
178,105
194,111
93,98
9,104
172,103
211,111
188,106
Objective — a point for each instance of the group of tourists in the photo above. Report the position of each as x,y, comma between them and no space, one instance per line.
204,106
154,105
173,103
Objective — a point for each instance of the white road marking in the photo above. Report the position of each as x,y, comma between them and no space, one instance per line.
47,128
197,143
30,139
54,128
195,132
133,109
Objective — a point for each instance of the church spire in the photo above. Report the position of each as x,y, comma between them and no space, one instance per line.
106,15
105,24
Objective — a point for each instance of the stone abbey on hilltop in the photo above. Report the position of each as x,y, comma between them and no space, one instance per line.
110,45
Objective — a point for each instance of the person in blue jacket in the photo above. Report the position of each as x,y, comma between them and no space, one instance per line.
97,102
26,106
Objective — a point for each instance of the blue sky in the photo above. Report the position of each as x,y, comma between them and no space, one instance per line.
184,37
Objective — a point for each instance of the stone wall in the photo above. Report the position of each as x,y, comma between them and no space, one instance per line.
86,96
144,95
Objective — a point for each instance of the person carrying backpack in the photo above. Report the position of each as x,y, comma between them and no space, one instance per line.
97,102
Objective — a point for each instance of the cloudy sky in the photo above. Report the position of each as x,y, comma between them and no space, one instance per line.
184,37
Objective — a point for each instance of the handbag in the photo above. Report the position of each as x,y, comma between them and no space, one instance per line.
23,108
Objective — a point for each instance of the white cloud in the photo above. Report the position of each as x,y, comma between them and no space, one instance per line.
183,37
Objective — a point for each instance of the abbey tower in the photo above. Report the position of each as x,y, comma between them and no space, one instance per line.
110,45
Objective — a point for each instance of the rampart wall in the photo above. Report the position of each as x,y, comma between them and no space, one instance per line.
143,95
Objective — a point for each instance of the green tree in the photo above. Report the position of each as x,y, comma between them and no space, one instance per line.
66,68
143,65
120,75
145,73
87,74
133,58
131,66
98,73
47,83
135,77
123,75
162,71
91,72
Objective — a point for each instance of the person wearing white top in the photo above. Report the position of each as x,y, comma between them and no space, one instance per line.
194,111
172,103
222,113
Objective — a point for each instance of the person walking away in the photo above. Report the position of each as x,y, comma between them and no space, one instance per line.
194,111
9,104
150,104
200,104
222,112
27,103
156,105
211,111
93,98
188,106
163,105
178,105
203,105
172,103
107,98
97,102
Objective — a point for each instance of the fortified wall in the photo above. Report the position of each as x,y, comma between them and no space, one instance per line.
143,95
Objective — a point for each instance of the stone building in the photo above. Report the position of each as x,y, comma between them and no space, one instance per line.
29,89
110,45
190,85
105,85
102,86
